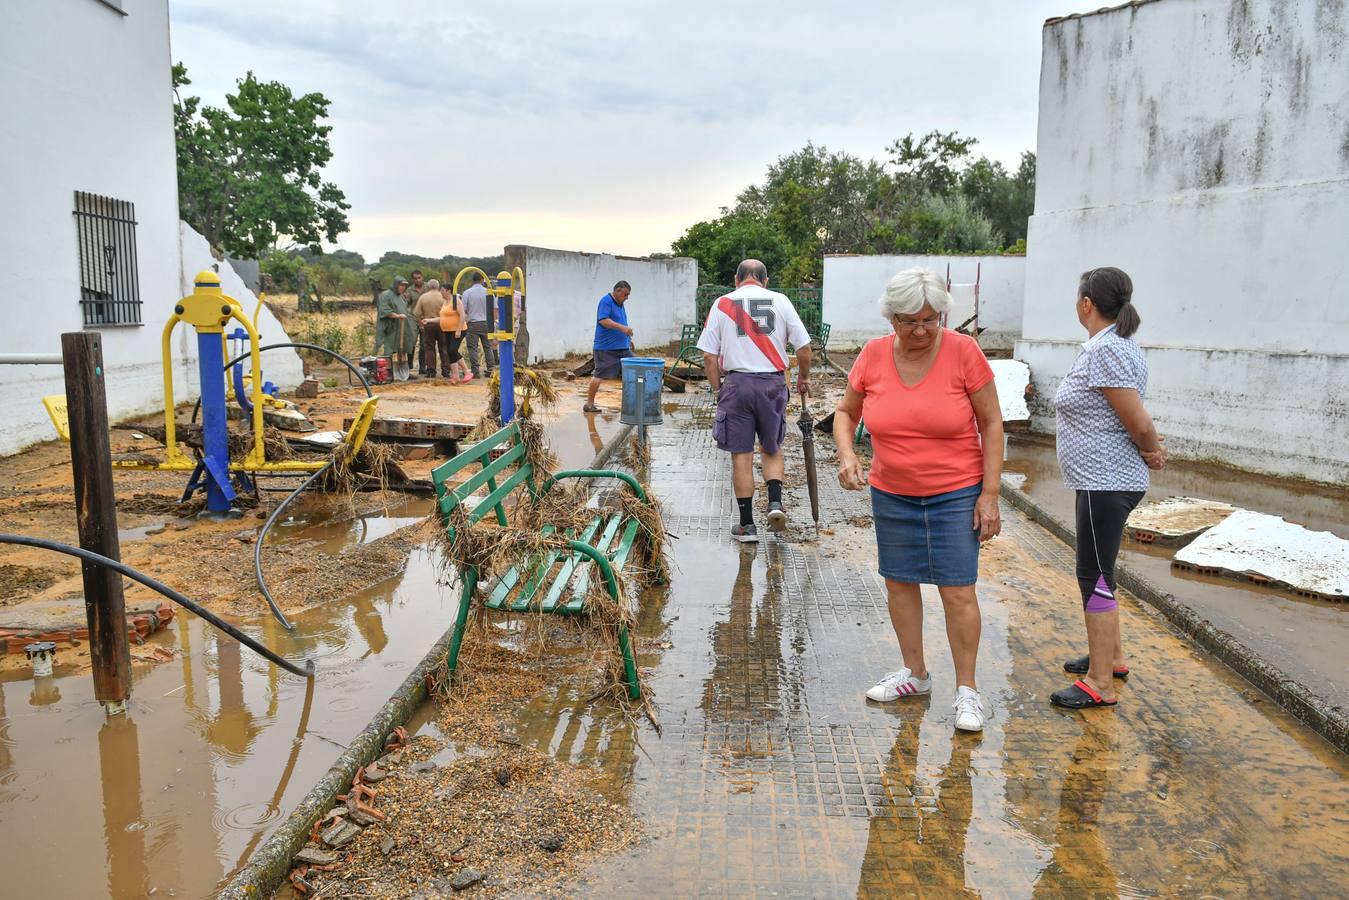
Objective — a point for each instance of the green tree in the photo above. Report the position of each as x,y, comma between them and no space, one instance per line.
720,244
250,175
1007,200
817,197
930,164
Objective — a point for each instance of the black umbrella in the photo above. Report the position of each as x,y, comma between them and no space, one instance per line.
808,448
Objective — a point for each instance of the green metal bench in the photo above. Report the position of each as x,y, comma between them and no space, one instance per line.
822,340
689,354
558,579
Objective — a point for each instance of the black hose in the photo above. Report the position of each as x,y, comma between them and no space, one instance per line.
98,559
299,345
257,545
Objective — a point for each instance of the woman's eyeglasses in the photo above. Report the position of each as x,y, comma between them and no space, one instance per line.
915,324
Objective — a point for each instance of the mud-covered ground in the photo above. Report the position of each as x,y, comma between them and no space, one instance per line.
212,561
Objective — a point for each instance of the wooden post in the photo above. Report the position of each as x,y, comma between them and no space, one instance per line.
96,513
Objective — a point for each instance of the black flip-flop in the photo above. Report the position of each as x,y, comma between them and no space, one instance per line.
1082,665
1079,695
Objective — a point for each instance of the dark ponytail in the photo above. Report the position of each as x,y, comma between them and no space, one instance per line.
1111,291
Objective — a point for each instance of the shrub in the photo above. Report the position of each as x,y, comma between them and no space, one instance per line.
325,331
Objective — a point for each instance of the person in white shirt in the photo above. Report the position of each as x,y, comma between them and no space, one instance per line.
744,344
480,347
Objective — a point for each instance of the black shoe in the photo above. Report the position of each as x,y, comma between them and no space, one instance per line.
1079,695
1082,664
745,534
777,519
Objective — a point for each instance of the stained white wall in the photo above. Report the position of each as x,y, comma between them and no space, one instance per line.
853,284
1203,147
87,105
564,288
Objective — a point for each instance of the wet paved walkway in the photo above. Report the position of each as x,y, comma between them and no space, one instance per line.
774,776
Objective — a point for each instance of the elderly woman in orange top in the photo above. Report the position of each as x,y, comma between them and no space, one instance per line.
928,399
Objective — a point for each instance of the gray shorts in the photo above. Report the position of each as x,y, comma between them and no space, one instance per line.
609,363
750,405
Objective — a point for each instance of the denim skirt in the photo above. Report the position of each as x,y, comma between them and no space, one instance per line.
927,540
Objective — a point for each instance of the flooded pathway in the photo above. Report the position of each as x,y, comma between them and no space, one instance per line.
1302,636
775,777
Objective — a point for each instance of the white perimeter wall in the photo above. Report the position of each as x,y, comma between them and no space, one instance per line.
86,105
564,288
1203,147
854,284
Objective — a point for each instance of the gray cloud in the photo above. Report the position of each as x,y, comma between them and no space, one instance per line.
570,112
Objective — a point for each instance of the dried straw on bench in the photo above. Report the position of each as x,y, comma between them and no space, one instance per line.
536,391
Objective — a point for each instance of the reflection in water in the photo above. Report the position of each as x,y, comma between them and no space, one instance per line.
233,727
123,820
1082,863
370,624
596,441
45,692
921,838
748,669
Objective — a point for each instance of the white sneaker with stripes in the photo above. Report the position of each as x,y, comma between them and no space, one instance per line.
899,684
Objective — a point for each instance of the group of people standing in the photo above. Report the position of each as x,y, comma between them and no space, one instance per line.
426,319
928,398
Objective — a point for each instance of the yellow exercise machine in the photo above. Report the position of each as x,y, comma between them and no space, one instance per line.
208,309
501,327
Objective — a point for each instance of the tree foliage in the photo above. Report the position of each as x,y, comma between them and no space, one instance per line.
720,245
928,196
250,174
344,273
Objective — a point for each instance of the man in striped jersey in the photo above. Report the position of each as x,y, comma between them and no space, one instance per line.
744,344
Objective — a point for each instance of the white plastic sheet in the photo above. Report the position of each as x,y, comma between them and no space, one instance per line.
1011,376
1254,543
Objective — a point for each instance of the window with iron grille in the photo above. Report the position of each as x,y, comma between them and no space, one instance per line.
106,237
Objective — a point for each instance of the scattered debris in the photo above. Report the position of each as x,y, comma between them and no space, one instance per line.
466,879
315,856
340,833
1175,521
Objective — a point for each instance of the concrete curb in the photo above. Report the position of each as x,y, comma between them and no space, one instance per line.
267,867
1328,721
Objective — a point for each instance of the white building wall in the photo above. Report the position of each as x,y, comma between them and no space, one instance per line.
564,288
86,105
1203,147
854,284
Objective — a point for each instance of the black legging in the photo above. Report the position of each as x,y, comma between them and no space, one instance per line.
1100,530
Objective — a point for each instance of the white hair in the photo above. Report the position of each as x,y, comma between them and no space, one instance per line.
909,290
433,284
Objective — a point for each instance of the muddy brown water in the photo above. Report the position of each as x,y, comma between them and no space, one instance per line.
218,745
1304,637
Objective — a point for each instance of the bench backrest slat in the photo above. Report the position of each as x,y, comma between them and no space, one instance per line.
477,453
452,497
494,502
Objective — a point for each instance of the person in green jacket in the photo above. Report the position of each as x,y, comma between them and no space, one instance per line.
396,333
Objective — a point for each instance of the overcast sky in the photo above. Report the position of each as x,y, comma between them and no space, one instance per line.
610,126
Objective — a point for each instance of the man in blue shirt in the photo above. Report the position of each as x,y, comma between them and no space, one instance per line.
613,340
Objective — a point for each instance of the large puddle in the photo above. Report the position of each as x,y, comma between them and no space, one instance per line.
219,745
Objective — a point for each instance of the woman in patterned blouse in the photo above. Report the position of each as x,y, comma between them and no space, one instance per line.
1106,444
